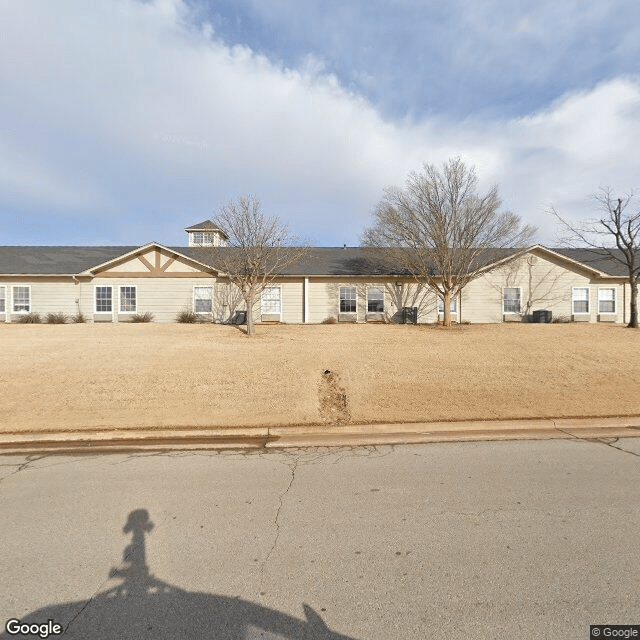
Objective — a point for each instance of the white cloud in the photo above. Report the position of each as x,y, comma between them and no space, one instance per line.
125,109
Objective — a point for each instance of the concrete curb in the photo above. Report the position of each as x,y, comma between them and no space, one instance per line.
144,439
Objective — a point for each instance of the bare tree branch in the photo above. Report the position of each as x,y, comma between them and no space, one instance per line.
260,248
441,231
616,226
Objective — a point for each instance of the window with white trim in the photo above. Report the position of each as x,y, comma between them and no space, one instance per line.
203,238
347,299
203,299
511,297
3,299
272,300
21,299
606,300
580,299
128,303
375,300
454,304
104,299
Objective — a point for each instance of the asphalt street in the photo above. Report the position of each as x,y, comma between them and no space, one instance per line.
509,539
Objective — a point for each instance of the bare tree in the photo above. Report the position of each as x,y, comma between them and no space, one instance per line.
616,225
441,231
259,249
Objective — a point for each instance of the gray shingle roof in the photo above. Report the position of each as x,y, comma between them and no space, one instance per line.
206,225
332,261
596,260
55,260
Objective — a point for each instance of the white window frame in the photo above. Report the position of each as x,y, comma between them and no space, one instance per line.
95,298
265,311
121,299
3,298
614,300
355,299
210,298
574,300
203,238
13,298
514,313
369,289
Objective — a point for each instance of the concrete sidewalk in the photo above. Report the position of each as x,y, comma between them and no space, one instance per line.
112,440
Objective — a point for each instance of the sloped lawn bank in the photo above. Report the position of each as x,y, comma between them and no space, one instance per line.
152,375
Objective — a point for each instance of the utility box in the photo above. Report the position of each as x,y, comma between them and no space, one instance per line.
542,316
409,315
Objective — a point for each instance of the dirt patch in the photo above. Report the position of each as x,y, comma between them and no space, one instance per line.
153,375
332,398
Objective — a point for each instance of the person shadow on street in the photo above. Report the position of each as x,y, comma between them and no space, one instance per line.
143,606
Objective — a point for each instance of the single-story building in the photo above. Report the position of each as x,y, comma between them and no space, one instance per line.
112,283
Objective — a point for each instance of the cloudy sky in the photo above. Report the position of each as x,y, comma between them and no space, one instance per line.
123,121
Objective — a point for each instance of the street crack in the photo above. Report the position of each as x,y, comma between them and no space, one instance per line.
603,441
23,466
276,521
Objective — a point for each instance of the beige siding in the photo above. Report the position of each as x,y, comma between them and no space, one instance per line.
545,283
132,265
292,301
164,297
179,267
324,298
46,296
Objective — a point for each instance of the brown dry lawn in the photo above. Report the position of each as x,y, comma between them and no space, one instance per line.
127,375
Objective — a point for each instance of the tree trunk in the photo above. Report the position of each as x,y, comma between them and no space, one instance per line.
633,319
446,321
250,300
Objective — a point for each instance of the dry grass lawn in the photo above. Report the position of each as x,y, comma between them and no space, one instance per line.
127,375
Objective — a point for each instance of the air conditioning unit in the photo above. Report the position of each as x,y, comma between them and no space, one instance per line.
409,315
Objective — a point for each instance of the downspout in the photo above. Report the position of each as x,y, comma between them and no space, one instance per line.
305,298
77,282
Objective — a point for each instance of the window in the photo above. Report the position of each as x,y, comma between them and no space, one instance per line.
203,237
375,300
271,300
104,297
21,299
203,299
347,299
580,299
128,299
511,299
3,300
454,305
606,300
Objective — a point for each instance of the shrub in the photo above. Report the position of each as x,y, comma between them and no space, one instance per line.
147,316
560,319
330,320
29,318
187,317
57,318
79,318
